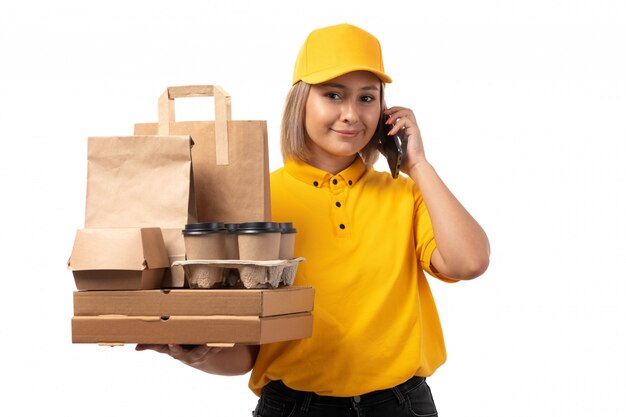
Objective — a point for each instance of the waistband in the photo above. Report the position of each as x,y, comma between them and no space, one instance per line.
396,393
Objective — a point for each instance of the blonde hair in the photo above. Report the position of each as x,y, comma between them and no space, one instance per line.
293,136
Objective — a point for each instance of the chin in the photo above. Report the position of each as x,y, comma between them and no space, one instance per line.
347,150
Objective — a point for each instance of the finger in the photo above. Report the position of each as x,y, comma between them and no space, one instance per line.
398,111
182,354
394,109
401,120
192,356
401,123
176,351
202,353
206,351
156,348
393,117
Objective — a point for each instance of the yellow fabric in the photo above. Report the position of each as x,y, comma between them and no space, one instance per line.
375,323
332,51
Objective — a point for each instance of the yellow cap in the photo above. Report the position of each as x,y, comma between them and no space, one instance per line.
336,50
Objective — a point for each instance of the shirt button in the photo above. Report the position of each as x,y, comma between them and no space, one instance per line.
315,183
338,204
335,181
342,226
350,182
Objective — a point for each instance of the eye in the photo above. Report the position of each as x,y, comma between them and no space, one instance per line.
333,96
368,99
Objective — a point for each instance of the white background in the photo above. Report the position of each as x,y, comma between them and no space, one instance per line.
522,108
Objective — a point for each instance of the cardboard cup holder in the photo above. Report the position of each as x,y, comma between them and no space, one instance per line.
227,273
205,277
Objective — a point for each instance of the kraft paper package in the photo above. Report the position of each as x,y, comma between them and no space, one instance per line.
143,181
230,157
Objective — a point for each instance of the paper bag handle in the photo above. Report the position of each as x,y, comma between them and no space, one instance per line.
222,113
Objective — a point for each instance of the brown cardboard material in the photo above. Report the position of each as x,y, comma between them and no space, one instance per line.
252,274
175,245
259,247
191,329
142,181
230,157
185,302
118,258
232,247
206,246
287,244
207,278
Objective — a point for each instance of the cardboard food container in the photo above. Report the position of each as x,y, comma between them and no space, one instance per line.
118,258
175,246
188,302
190,329
193,316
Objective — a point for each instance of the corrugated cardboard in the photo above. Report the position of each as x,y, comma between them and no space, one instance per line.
191,329
262,303
118,258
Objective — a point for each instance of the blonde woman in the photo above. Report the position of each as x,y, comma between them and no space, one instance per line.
368,239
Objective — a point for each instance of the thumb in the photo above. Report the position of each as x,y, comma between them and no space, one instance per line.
175,350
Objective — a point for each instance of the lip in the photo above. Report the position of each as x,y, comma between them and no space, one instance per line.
346,133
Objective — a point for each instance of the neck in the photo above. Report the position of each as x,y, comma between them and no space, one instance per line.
334,166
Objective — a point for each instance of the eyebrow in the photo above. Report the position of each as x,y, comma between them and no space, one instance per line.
338,85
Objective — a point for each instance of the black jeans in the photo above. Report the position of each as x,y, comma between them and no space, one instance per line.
412,398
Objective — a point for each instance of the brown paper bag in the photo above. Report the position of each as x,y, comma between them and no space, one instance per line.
230,157
142,181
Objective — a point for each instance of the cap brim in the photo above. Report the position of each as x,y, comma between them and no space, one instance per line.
326,75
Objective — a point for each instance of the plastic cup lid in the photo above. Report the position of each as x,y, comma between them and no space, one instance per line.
286,227
204,228
231,227
258,227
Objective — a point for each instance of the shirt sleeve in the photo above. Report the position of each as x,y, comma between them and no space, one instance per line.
425,238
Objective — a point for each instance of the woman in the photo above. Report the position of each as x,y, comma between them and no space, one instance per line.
367,238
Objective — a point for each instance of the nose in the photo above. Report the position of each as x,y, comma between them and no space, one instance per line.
349,112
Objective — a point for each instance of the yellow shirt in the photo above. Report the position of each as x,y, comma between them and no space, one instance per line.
367,240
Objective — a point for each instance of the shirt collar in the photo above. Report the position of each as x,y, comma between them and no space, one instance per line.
319,178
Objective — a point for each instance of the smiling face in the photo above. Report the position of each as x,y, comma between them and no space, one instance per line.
341,116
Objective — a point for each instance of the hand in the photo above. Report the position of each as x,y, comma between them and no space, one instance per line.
195,356
405,123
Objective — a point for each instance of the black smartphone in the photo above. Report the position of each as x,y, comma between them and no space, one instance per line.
392,147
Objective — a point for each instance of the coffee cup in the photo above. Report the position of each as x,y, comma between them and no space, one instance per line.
287,240
232,247
205,240
258,241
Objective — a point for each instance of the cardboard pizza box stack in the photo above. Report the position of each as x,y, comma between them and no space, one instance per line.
193,316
